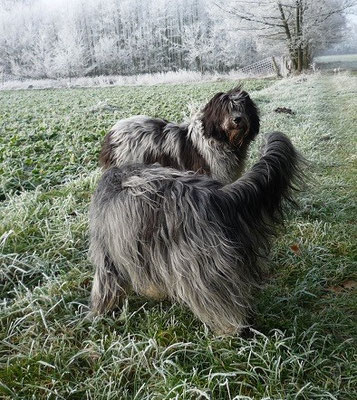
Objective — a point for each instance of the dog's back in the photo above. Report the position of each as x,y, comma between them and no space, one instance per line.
146,140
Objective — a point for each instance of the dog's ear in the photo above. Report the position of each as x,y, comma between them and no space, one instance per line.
213,115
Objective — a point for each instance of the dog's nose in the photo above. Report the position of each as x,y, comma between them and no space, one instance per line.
237,120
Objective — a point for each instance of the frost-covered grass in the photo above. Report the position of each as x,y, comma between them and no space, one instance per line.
177,77
303,345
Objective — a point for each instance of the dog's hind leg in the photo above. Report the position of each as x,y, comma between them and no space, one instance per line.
109,285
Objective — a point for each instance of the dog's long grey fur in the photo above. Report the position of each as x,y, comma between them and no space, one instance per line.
187,237
214,142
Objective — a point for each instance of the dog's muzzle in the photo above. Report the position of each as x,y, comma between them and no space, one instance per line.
239,131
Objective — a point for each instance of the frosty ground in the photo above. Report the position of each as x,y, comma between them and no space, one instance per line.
304,343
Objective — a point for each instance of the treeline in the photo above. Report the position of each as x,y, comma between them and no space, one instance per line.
42,39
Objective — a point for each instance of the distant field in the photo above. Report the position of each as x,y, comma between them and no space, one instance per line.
344,61
304,346
333,58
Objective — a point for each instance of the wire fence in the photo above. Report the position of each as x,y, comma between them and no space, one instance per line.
270,66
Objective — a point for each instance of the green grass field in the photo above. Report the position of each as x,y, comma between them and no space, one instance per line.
304,346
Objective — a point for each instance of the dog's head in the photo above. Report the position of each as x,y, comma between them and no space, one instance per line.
232,117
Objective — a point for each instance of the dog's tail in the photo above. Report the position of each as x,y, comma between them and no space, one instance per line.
259,195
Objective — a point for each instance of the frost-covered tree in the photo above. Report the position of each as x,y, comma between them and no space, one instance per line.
43,38
303,26
349,44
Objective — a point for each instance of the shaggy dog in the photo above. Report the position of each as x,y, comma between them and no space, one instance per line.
214,143
165,233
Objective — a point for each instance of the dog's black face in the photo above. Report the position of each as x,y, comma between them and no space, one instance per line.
231,117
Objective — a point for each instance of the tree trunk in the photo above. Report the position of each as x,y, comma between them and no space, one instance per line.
298,36
276,67
289,39
299,54
306,58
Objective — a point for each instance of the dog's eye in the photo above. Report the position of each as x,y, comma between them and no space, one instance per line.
237,120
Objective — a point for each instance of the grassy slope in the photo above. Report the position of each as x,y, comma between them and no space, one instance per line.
304,348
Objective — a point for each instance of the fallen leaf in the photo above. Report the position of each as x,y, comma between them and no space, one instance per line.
295,248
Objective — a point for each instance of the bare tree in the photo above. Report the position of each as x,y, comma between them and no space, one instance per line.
304,26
